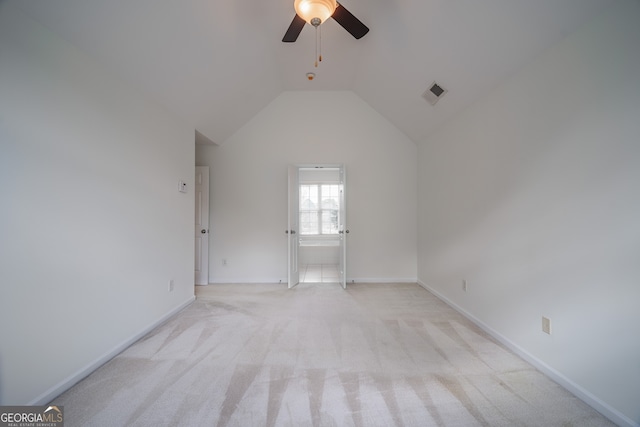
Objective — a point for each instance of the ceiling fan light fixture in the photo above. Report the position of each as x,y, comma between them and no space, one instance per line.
310,9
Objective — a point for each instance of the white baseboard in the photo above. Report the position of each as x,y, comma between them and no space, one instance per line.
265,281
69,382
381,280
349,280
605,409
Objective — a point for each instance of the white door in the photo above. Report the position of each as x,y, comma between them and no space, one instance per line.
343,231
202,226
293,275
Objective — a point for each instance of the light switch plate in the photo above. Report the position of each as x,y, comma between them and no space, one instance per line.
182,187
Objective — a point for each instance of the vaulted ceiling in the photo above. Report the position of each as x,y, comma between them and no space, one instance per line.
216,63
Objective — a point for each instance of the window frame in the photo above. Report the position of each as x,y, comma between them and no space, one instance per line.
319,210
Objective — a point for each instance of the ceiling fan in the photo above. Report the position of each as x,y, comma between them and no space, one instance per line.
315,12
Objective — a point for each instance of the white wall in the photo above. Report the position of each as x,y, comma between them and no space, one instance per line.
533,197
249,187
92,226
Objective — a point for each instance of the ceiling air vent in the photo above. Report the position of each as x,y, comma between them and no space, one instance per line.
434,93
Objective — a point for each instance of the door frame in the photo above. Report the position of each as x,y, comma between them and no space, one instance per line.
293,214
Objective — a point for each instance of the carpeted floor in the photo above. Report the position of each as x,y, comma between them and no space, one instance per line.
317,355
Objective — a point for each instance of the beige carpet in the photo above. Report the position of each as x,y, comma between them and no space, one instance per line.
317,355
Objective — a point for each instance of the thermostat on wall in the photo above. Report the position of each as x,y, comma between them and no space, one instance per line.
182,187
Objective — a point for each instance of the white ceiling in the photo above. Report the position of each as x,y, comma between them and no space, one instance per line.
216,63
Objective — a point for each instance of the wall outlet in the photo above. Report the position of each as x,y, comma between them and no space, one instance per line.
464,286
171,285
546,325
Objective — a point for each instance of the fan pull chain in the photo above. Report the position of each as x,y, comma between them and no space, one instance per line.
316,63
320,46
316,23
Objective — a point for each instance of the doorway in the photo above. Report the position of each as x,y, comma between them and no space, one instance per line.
317,233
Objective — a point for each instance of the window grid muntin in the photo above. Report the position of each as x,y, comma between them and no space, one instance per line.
319,209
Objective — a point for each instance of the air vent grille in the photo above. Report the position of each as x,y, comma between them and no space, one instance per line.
434,93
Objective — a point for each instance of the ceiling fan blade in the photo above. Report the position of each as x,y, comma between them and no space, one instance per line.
294,29
349,22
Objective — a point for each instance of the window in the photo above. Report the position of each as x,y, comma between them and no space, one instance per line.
319,206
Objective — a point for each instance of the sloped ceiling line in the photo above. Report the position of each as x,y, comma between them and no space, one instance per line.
218,63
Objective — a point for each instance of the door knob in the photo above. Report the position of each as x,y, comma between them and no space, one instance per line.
203,231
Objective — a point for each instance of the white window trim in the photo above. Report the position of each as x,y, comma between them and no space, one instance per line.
319,211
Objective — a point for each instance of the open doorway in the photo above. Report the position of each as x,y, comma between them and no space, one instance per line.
317,208
319,211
